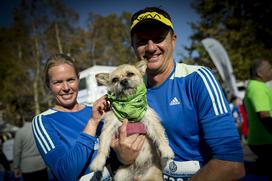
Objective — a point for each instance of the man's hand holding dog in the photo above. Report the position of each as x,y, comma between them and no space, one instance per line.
127,147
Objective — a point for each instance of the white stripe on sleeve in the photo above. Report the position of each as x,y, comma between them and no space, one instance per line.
215,91
46,134
209,91
220,92
35,127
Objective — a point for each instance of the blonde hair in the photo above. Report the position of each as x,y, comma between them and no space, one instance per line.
58,59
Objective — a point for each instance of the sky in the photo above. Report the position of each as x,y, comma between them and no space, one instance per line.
179,10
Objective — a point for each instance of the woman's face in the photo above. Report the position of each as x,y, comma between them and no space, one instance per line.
64,83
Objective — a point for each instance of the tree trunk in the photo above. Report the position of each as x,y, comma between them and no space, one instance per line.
58,38
37,74
19,52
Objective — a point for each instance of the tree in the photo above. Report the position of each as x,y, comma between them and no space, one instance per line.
42,28
243,27
23,51
16,74
61,28
109,39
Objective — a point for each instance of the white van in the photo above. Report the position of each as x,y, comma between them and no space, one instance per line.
89,90
241,87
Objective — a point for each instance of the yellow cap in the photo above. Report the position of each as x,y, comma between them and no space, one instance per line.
152,15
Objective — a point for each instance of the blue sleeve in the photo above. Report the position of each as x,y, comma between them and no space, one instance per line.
216,121
65,164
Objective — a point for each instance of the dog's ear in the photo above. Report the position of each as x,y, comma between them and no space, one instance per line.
102,78
141,66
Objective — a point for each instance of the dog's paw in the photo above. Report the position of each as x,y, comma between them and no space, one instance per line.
167,153
164,162
98,164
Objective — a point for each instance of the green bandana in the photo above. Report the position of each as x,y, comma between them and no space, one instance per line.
132,107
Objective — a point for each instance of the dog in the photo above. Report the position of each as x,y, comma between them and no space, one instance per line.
121,83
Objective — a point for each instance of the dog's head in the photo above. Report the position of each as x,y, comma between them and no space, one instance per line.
123,81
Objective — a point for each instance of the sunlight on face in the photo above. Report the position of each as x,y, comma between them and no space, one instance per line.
64,85
156,45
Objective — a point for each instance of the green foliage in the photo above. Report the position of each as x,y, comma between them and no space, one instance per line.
14,79
45,27
110,39
243,27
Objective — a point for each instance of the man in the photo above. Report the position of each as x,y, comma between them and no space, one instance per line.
27,161
190,103
258,102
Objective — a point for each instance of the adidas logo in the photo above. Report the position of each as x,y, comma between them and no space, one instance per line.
174,101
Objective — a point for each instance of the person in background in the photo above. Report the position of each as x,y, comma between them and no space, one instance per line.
66,133
27,161
235,103
244,126
4,165
190,103
258,103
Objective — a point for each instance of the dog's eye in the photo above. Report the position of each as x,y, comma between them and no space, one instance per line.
114,80
130,74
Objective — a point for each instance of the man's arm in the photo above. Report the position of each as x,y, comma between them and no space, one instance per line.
17,151
220,170
266,120
219,132
226,162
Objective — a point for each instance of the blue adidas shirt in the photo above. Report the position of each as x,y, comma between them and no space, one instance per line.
65,148
196,116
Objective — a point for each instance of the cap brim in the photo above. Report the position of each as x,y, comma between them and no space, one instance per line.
149,24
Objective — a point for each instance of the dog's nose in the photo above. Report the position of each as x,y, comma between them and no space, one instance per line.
124,82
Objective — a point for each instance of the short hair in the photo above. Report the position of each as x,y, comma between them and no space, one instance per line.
255,66
55,60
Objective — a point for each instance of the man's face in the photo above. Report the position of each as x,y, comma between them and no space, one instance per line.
265,71
156,45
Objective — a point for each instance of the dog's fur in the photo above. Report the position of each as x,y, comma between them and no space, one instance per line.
155,151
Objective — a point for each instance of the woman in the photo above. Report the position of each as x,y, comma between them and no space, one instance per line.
66,134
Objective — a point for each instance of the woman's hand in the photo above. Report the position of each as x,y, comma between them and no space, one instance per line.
126,147
99,109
